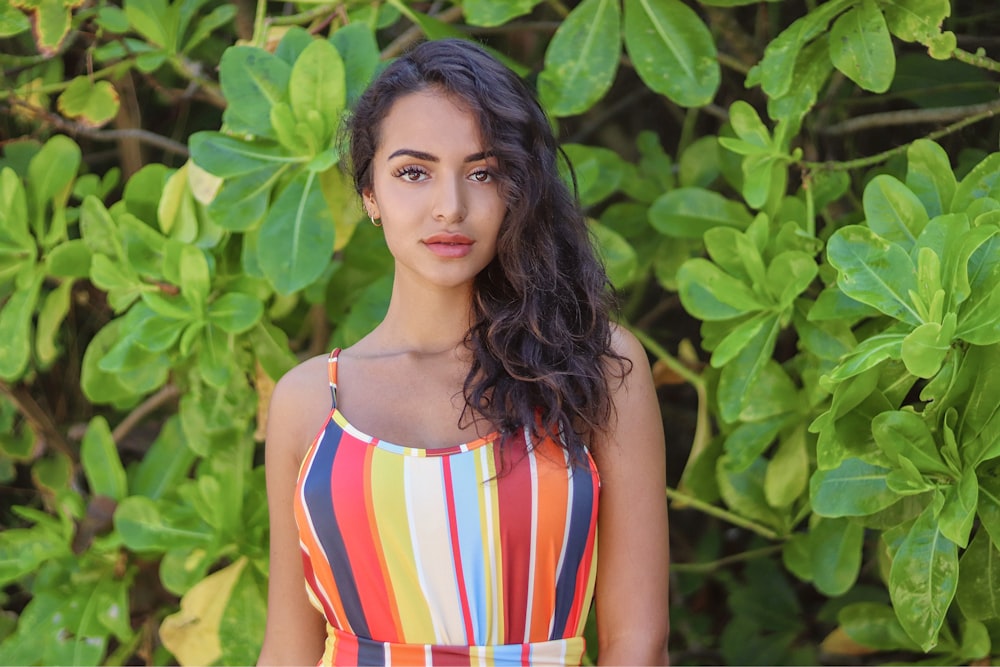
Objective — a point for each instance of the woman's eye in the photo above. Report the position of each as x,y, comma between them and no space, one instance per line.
412,174
481,176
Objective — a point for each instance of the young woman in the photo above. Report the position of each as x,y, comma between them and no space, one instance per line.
474,445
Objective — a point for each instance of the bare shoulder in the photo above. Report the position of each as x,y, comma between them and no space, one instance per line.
625,343
299,405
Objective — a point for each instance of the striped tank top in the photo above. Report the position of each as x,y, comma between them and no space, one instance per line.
478,554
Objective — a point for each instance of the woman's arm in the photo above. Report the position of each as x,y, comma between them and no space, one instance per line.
631,595
295,632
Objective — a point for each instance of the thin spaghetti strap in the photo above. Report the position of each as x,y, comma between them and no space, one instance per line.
332,372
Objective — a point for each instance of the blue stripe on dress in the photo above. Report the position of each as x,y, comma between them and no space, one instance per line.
576,546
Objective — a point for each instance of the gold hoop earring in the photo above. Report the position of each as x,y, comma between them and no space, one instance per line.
377,224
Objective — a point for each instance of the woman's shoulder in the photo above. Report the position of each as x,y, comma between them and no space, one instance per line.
300,404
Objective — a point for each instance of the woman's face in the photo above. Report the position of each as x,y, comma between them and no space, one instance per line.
435,190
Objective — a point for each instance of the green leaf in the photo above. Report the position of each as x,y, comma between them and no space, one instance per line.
15,330
582,58
929,175
743,492
835,547
217,18
672,50
915,20
924,349
959,509
688,213
228,157
787,474
270,345
741,336
196,277
982,181
923,579
69,260
252,81
875,625
812,69
868,354
739,376
617,254
904,433
710,294
893,211
360,53
151,19
235,312
317,85
165,465
789,274
50,179
296,239
855,488
243,201
91,103
861,47
143,371
54,308
776,69
143,528
874,271
51,23
101,463
599,172
15,234
978,593
750,440
23,550
12,22
495,12
215,357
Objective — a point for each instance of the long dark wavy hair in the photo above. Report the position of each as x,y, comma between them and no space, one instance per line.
541,337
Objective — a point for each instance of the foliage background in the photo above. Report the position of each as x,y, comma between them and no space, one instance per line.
799,201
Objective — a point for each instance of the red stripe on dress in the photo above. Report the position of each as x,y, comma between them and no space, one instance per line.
514,504
450,656
456,549
352,486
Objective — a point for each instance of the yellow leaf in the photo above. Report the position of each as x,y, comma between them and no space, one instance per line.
192,634
204,186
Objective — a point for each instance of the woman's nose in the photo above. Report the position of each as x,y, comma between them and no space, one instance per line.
449,204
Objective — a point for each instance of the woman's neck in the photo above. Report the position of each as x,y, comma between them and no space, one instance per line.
425,320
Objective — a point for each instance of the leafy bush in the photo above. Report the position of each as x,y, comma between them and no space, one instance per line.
845,284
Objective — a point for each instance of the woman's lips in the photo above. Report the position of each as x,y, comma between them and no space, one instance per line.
449,245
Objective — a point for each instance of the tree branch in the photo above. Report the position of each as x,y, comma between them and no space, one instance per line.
992,110
97,134
166,394
37,418
909,117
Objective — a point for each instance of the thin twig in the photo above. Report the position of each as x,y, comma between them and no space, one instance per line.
73,128
909,117
720,513
670,362
976,59
712,566
37,418
165,395
885,155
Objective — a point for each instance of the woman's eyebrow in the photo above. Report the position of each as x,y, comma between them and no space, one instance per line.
427,157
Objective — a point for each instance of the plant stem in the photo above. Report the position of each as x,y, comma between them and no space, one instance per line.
259,24
304,17
59,86
976,59
711,566
992,110
163,396
720,513
662,355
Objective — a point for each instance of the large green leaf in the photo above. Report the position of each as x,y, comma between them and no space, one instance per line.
15,329
582,58
317,90
672,50
929,176
875,625
253,81
874,271
296,238
359,51
495,12
143,527
893,211
227,157
739,376
915,20
923,579
743,492
959,510
978,593
709,293
619,257
905,433
688,213
835,547
861,47
235,312
982,181
855,488
775,71
787,474
101,463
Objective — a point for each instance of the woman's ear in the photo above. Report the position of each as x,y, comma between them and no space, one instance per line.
371,206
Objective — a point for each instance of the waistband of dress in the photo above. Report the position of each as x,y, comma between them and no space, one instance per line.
345,648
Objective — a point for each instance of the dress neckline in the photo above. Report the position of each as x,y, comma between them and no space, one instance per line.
421,452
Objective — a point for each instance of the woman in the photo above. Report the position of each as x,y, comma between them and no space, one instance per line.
417,549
